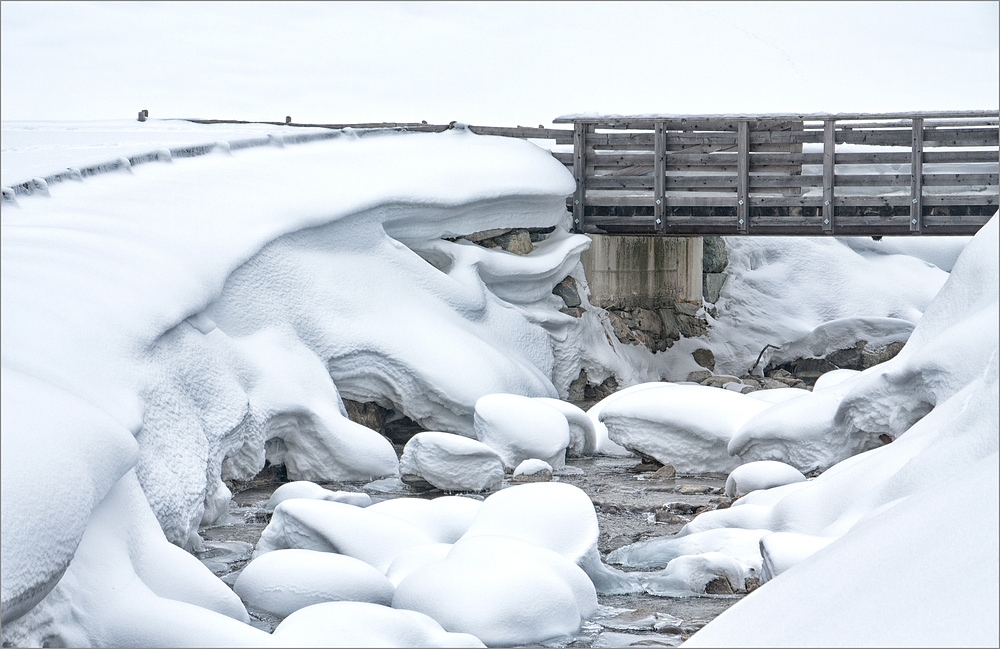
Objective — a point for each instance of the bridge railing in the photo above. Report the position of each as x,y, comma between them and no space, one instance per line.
785,174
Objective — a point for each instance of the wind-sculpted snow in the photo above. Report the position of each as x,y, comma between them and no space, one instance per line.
765,274
190,319
866,519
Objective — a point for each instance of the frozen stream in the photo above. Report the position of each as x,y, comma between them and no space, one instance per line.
628,500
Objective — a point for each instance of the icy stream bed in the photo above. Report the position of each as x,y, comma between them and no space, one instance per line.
626,497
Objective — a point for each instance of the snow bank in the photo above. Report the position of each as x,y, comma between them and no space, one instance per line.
582,434
519,428
284,581
452,462
212,310
359,624
687,426
765,299
444,519
938,399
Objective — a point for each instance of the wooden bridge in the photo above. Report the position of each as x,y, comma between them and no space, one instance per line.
769,174
847,174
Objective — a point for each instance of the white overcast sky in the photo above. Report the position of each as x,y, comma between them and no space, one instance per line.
492,63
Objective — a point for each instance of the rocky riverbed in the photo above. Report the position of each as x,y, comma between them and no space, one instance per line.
634,500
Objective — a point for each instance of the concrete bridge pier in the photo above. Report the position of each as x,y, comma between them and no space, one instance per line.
636,272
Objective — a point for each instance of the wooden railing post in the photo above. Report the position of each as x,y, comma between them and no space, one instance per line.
917,176
743,176
579,172
660,176
829,159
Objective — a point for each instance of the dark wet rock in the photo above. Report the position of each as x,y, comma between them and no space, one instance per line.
705,358
714,257
567,290
691,326
517,242
671,327
872,357
751,584
416,482
719,380
483,235
646,467
576,311
370,415
693,489
648,321
666,472
539,476
686,308
719,586
606,388
711,286
684,508
699,376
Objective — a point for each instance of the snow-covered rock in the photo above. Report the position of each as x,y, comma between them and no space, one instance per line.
444,519
284,581
832,378
452,462
360,624
691,575
582,434
519,428
306,489
556,516
686,426
780,551
416,557
532,470
328,526
760,475
503,590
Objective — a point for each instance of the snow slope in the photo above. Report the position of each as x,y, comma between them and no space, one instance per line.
914,521
185,319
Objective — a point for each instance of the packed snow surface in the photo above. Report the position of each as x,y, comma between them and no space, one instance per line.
865,520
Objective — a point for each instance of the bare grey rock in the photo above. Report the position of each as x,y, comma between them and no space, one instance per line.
705,358
714,257
719,586
698,376
719,380
686,308
711,286
567,290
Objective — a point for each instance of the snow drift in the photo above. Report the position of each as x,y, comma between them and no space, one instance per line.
189,319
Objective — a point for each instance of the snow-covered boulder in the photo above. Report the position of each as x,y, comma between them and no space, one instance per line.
519,428
763,474
833,377
582,434
556,516
284,581
444,519
741,545
693,574
532,470
306,489
686,426
452,462
503,590
605,446
780,395
360,624
416,557
328,526
780,551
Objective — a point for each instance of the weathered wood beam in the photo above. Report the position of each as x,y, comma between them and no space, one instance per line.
579,173
660,177
917,177
743,177
829,160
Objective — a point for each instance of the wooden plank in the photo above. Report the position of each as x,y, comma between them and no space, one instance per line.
743,177
829,149
813,117
523,132
959,199
579,169
659,177
917,176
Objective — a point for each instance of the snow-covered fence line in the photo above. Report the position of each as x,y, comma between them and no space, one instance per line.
40,185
